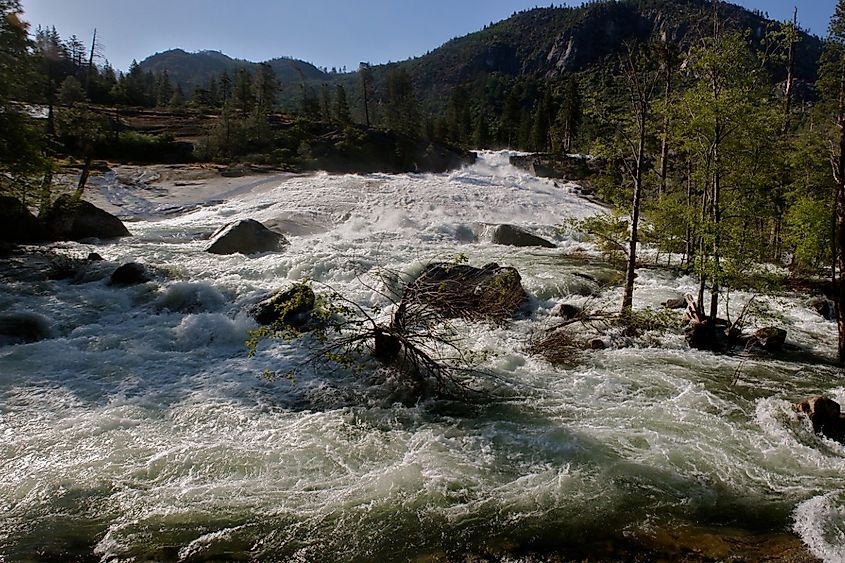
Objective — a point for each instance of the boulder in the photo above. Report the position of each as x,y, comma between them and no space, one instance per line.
706,336
675,303
292,307
510,235
247,236
131,273
17,224
23,328
770,339
596,344
568,311
823,307
74,219
459,290
826,416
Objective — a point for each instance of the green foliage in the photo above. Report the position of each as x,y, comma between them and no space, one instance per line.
808,232
608,232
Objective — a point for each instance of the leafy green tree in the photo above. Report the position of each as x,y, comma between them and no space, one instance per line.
832,86
71,92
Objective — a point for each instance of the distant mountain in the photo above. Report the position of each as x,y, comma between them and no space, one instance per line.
542,43
193,70
550,42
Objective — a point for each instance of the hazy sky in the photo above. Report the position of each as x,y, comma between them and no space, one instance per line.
330,33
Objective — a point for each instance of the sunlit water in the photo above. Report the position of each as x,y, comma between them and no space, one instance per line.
142,431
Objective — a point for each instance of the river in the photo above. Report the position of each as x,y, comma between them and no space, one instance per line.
141,430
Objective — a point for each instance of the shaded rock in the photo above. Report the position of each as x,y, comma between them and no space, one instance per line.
770,339
596,344
675,303
292,307
826,416
568,311
823,307
23,328
706,336
514,236
361,150
459,290
17,224
544,165
94,257
247,236
72,219
131,273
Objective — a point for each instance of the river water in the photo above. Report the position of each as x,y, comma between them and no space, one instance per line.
142,431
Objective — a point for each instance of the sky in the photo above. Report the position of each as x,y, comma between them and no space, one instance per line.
327,33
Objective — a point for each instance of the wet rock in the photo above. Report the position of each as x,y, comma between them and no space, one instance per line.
596,344
823,307
770,339
826,416
23,328
247,236
131,273
675,303
706,336
459,290
568,311
291,307
94,257
17,224
74,219
510,235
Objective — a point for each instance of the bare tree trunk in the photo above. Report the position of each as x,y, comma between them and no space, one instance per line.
631,274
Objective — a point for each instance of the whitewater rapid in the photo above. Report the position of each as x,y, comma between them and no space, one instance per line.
142,431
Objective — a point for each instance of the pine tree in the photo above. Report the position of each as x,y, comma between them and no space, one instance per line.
244,97
341,106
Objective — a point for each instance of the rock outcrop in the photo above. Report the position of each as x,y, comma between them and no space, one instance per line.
458,290
70,218
509,235
247,236
17,224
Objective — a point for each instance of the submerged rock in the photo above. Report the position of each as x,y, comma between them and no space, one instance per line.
74,219
826,416
17,224
459,290
247,236
131,273
23,328
292,307
510,235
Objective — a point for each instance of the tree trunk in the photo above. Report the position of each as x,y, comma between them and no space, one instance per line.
840,221
628,295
